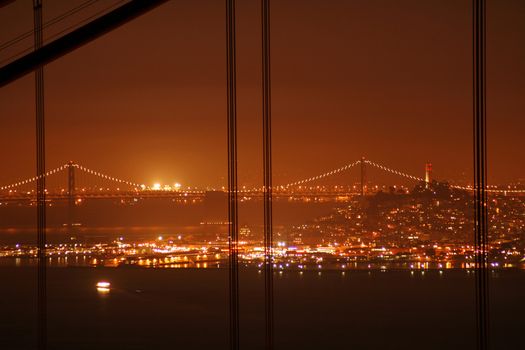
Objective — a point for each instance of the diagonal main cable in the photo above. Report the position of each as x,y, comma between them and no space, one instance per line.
47,24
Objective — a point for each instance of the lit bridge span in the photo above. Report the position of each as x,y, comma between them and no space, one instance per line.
127,189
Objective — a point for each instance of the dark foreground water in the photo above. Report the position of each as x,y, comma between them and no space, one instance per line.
187,309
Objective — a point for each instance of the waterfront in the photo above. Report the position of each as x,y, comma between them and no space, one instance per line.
187,308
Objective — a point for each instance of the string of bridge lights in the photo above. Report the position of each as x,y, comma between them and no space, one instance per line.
285,186
318,177
66,166
308,180
108,177
465,188
458,187
393,171
33,179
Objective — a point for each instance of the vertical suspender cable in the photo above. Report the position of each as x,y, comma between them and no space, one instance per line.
480,173
233,228
41,183
267,174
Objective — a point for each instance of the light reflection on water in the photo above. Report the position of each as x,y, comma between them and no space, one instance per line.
185,263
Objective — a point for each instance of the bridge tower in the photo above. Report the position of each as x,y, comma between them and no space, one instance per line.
428,174
71,196
363,176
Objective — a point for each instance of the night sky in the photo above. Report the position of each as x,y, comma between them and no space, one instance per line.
389,80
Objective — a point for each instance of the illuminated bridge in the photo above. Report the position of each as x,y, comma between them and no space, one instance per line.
98,185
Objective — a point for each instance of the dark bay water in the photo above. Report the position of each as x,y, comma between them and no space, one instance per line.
188,309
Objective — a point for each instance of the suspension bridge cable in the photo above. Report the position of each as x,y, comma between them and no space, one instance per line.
41,184
109,177
32,179
267,174
458,187
480,172
80,167
101,175
233,229
394,171
67,29
47,24
326,174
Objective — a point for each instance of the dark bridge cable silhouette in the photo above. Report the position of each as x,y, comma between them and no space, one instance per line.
267,175
100,24
47,24
41,184
480,172
233,229
62,31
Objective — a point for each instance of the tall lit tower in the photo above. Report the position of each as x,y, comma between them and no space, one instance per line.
71,196
428,174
